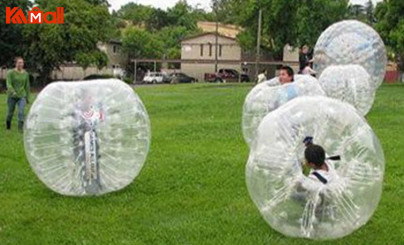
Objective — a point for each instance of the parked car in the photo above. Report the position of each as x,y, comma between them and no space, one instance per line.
154,77
179,77
226,75
98,76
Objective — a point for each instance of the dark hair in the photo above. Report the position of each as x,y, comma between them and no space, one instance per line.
288,70
315,154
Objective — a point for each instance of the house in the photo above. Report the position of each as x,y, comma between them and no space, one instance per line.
117,61
198,54
291,55
116,57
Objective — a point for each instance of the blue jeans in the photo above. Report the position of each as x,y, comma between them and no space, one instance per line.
11,108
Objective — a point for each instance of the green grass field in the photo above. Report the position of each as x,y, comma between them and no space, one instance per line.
192,188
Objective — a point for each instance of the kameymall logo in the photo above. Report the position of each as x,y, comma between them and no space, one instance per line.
35,16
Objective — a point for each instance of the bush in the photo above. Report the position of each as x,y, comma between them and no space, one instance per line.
127,80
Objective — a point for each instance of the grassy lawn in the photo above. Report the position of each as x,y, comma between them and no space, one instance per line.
192,188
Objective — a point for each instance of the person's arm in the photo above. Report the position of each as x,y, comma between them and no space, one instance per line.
27,88
10,88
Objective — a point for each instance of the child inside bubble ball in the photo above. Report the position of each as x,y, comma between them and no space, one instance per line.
315,159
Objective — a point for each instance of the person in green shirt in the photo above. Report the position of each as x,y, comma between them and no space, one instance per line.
17,91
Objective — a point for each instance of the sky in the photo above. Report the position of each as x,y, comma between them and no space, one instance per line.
205,4
163,4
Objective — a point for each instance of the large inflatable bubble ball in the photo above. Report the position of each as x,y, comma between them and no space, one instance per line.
296,204
87,138
351,42
349,83
265,97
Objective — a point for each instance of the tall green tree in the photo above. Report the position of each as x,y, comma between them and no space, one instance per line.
294,22
157,20
390,25
181,15
136,13
49,46
11,36
139,43
314,16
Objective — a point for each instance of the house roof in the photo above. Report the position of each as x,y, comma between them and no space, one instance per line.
206,34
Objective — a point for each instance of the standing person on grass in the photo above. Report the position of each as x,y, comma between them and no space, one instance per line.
18,92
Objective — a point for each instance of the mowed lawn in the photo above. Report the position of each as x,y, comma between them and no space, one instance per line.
192,188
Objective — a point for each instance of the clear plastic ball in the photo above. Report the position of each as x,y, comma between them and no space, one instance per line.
87,138
349,83
351,42
266,97
297,205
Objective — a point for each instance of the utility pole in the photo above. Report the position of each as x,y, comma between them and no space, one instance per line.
257,57
216,36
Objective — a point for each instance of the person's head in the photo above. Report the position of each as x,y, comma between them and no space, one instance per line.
307,63
315,156
19,63
286,74
305,49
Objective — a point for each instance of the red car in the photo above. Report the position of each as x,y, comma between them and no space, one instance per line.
226,75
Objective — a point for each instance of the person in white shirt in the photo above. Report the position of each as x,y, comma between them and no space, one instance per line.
307,70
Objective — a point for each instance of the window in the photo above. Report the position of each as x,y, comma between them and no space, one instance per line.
201,50
210,49
115,49
220,50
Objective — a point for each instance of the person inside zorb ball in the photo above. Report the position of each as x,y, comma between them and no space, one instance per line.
87,138
265,97
345,162
351,42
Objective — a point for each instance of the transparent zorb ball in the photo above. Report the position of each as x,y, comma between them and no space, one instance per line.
351,42
297,205
87,138
349,83
266,97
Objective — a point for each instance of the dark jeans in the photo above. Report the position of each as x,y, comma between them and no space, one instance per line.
11,108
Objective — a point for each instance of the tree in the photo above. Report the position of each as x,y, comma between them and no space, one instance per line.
137,13
157,20
49,46
181,15
11,38
314,16
294,22
390,26
139,43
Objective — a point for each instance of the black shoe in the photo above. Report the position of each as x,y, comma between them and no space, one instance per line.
8,125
